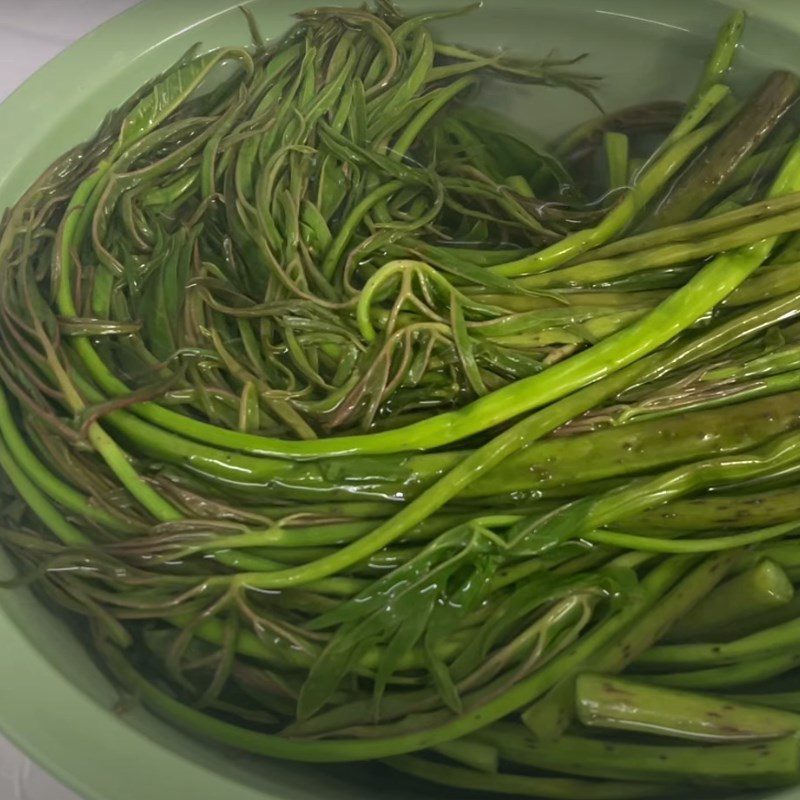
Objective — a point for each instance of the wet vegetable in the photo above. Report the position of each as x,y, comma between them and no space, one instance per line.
358,425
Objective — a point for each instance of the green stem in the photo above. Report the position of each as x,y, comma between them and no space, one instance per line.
616,147
63,494
696,229
747,673
604,701
721,58
760,588
39,503
771,763
622,215
598,271
444,729
772,641
757,118
550,716
649,544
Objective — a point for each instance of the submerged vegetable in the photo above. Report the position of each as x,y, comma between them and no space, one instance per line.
358,428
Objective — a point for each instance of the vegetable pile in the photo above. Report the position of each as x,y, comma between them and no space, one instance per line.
358,426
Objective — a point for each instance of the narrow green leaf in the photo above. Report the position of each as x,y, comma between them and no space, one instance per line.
172,90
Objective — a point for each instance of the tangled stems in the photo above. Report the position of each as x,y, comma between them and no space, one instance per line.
681,309
676,313
355,426
622,216
469,721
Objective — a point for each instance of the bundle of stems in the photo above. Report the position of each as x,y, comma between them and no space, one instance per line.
357,426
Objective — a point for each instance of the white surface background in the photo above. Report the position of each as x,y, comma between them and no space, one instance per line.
31,33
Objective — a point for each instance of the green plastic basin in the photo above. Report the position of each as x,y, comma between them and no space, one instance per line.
54,702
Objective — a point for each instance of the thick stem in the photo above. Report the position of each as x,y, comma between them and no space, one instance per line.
770,763
760,588
702,179
605,701
747,673
549,717
779,640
